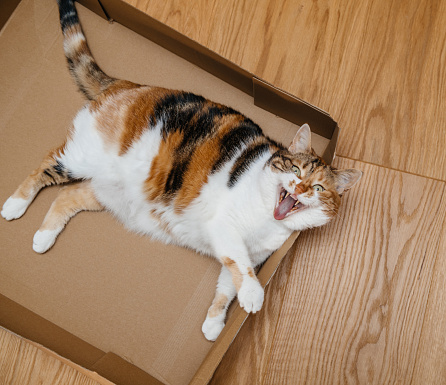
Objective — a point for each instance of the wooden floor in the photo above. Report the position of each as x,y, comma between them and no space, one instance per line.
362,300
25,363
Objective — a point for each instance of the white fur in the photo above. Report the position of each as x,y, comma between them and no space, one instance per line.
212,326
71,43
251,295
14,208
43,240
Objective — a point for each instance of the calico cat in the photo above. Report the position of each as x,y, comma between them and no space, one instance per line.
183,170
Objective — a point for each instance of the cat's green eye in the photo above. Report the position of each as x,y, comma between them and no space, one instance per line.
296,170
318,187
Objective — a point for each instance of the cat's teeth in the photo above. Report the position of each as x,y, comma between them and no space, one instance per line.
294,208
282,196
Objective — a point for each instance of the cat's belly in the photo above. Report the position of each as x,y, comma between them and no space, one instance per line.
117,180
134,212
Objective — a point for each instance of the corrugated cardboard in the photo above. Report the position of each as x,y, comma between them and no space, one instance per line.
118,295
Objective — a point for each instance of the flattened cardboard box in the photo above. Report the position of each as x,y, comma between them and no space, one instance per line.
103,295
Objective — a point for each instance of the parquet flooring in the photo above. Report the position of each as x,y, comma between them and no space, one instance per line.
23,363
362,300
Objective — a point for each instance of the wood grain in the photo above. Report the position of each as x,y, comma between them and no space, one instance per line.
378,67
430,366
22,362
357,295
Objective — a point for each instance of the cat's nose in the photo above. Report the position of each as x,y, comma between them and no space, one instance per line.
299,189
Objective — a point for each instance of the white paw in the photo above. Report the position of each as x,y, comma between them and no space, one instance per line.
14,208
212,328
43,240
251,296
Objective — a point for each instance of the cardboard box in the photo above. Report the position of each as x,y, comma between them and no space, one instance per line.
116,303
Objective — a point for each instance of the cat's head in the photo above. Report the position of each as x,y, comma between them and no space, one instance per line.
308,190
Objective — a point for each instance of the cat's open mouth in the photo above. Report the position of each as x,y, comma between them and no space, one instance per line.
286,205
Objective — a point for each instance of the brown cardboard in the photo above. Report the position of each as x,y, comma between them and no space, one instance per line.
6,9
91,375
32,327
117,294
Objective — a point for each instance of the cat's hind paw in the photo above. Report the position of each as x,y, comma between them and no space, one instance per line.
212,328
43,240
251,296
14,208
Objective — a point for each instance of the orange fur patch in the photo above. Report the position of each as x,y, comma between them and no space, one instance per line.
38,179
138,115
218,305
70,201
237,276
123,112
161,166
201,163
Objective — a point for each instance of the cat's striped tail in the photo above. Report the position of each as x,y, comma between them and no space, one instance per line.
91,80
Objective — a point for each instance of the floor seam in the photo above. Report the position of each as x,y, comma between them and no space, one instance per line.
390,168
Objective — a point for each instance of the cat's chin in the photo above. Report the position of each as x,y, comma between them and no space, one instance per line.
287,204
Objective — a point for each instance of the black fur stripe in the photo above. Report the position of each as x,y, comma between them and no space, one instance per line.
234,140
48,174
175,178
67,13
242,164
176,109
315,163
62,171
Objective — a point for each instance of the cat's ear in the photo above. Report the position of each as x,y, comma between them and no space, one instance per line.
301,141
346,179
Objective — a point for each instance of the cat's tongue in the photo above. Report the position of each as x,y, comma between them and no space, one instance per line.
284,207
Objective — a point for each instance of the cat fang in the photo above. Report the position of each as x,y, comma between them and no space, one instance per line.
286,205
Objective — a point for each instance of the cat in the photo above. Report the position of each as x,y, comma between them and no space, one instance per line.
184,170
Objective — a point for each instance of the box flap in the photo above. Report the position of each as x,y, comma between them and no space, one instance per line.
290,107
6,10
174,41
29,325
121,372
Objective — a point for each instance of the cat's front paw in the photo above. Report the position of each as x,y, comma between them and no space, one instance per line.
14,208
43,240
251,296
212,328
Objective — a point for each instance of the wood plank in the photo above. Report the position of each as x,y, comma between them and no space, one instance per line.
357,292
22,362
378,67
430,366
355,303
